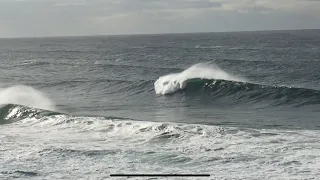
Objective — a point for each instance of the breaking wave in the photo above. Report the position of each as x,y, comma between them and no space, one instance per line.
172,83
210,80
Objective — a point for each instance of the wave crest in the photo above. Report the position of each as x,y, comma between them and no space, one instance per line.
172,83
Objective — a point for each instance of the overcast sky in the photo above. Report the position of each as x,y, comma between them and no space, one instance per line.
25,18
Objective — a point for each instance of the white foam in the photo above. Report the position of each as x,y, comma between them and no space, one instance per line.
171,83
26,96
223,152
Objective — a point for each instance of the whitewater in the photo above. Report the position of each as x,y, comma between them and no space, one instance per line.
223,152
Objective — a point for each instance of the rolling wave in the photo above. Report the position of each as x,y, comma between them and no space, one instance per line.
202,79
253,92
11,113
114,126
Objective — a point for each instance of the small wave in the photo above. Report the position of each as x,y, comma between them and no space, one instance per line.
20,173
106,65
11,113
174,82
208,47
29,63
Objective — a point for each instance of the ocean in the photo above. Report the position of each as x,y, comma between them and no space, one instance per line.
235,105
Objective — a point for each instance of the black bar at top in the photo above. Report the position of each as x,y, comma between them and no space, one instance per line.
159,175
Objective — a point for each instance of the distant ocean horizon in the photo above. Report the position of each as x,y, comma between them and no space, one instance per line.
161,33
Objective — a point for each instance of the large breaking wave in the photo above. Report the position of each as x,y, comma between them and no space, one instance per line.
210,80
172,83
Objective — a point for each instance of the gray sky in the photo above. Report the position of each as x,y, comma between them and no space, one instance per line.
25,18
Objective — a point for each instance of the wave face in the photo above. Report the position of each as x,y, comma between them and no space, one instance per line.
174,82
243,91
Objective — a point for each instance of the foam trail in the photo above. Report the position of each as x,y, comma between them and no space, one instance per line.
26,96
171,83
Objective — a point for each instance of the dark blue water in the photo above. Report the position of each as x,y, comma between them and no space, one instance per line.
256,80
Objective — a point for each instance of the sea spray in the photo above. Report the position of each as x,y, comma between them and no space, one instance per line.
172,83
26,96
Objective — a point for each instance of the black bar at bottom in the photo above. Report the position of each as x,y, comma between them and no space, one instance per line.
159,175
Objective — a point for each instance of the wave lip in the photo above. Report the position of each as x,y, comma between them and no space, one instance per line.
172,83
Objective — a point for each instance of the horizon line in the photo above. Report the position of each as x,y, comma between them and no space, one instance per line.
150,34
